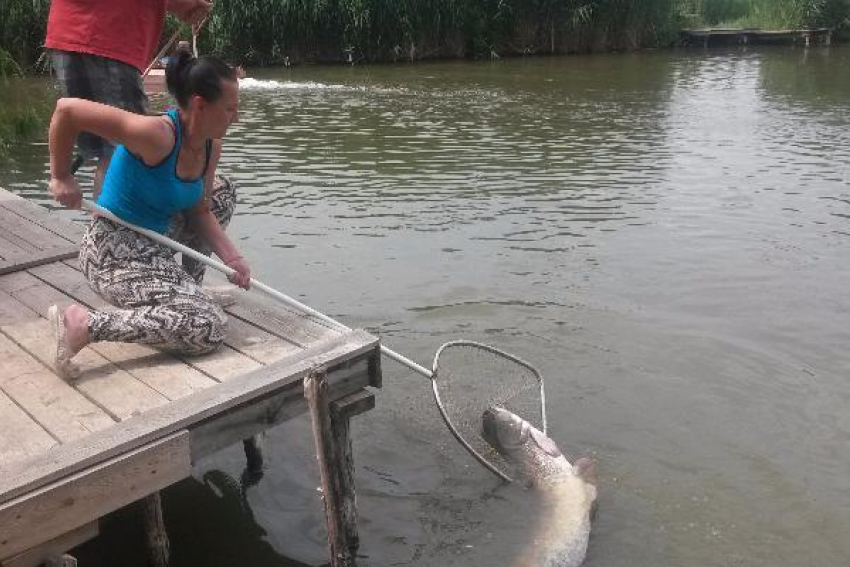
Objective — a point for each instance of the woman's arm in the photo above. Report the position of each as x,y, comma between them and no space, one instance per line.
206,226
149,137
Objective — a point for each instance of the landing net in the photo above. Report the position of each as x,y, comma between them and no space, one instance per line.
471,377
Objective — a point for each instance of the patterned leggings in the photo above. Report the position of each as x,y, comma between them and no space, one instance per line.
159,302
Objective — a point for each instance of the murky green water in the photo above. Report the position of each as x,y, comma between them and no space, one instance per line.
664,234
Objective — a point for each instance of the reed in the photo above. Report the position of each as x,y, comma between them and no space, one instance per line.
263,32
775,14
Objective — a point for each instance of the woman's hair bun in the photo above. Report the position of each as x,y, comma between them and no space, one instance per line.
187,75
177,71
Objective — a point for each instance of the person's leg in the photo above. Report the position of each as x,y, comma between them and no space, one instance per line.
159,304
102,80
222,204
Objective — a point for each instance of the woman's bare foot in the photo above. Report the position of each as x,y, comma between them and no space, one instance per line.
76,328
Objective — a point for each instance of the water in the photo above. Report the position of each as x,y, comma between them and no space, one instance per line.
663,234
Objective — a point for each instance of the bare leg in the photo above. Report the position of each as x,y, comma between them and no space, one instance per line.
76,328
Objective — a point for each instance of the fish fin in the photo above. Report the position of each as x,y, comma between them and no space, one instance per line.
585,467
545,442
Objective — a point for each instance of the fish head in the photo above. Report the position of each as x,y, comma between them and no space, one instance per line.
536,458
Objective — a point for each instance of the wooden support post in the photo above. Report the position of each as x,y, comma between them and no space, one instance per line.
157,538
331,463
342,411
254,456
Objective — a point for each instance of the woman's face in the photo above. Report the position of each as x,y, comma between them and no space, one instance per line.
217,116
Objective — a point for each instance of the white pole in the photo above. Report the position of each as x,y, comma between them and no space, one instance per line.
95,208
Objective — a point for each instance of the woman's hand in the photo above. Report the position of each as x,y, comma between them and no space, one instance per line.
242,275
66,191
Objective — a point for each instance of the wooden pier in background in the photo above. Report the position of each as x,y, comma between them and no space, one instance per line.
710,37
137,419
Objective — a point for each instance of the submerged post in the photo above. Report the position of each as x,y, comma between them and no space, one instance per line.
332,468
157,537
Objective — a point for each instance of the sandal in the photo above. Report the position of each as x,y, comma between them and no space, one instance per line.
61,358
221,295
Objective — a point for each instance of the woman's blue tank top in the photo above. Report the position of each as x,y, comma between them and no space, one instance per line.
149,196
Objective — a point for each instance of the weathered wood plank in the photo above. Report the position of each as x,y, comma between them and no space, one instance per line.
17,228
163,372
118,393
185,413
20,436
224,364
11,252
14,263
263,413
86,496
166,374
16,241
114,390
353,404
40,216
282,321
54,404
330,459
38,555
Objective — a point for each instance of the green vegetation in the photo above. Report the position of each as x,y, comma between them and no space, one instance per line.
265,32
22,114
771,14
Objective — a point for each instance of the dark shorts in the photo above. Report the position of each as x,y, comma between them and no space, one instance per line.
102,80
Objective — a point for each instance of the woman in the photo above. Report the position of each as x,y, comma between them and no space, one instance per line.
163,169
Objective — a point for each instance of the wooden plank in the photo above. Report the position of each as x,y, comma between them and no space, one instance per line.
11,252
20,436
40,216
12,238
54,404
117,392
38,296
217,400
37,555
164,373
17,228
282,321
263,413
28,260
255,344
353,404
84,497
224,364
114,390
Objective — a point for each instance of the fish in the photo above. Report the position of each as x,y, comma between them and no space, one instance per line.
566,492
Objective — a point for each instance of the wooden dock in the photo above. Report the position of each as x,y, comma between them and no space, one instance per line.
137,419
710,37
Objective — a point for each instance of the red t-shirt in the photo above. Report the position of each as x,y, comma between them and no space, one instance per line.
126,30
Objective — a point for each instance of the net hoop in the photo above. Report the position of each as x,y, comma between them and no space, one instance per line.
460,439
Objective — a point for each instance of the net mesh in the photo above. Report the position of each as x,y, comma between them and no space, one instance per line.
471,377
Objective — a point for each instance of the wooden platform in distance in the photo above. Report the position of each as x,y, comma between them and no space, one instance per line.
707,37
137,418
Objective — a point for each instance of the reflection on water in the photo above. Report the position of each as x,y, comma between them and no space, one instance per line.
664,234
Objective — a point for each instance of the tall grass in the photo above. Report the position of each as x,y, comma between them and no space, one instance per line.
22,114
264,31
22,27
774,14
270,31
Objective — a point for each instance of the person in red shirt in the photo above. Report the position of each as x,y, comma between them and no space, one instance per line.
99,50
